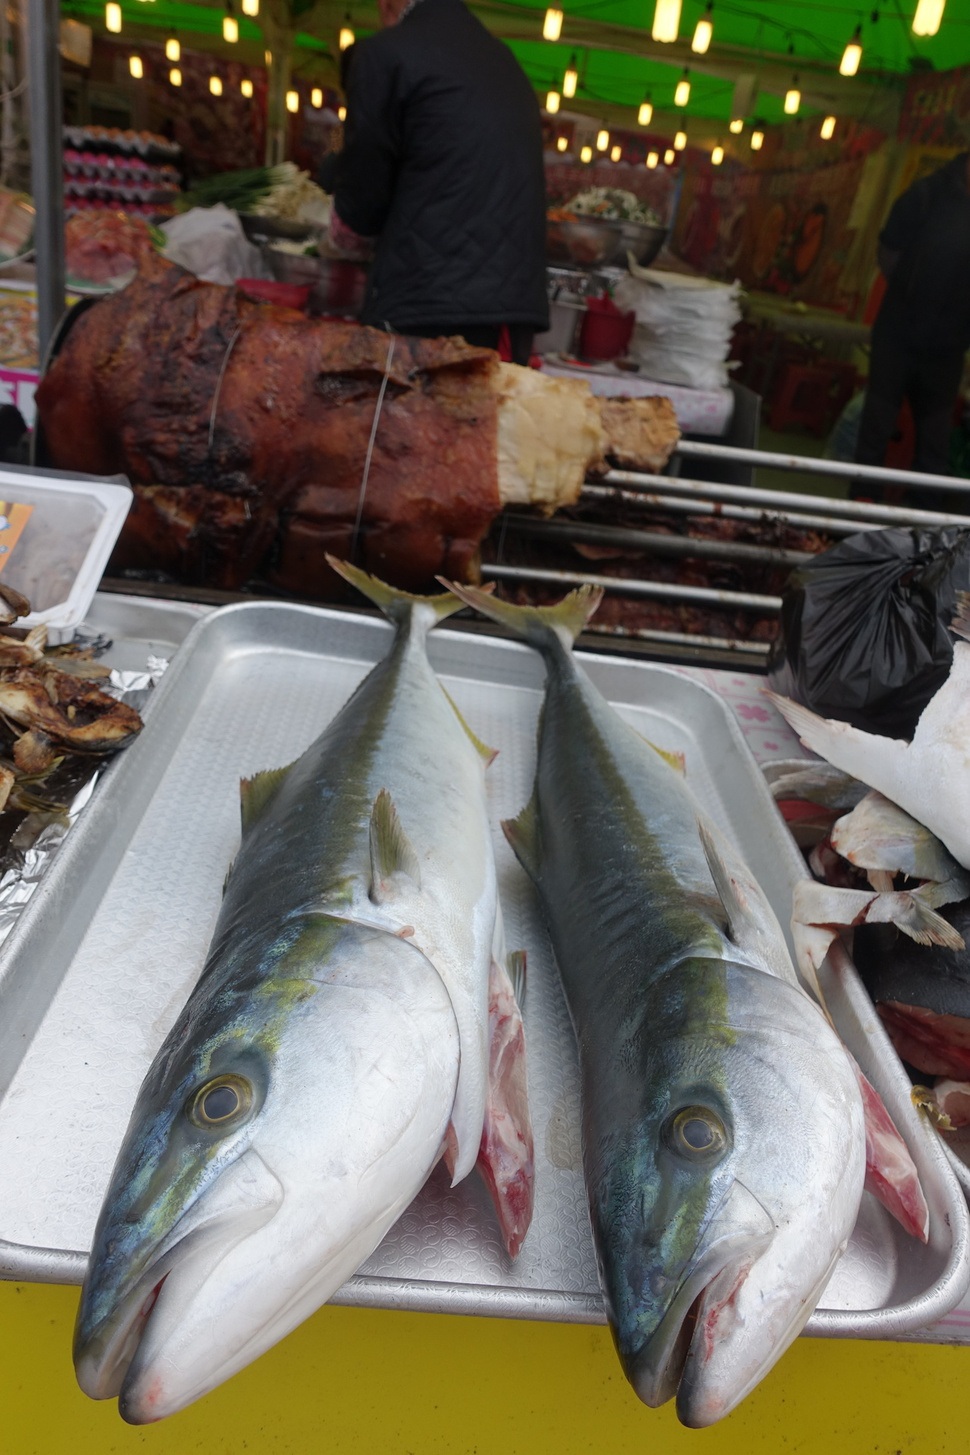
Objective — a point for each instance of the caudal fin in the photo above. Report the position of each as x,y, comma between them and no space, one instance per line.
540,626
397,605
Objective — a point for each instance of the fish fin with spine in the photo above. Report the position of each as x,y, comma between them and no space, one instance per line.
752,922
522,833
540,626
515,963
506,1155
257,792
482,749
398,606
866,756
392,855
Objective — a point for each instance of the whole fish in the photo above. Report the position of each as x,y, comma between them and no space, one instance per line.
722,1126
336,1045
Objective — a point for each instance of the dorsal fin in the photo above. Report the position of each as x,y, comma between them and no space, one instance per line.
392,855
522,833
515,963
256,792
673,759
483,750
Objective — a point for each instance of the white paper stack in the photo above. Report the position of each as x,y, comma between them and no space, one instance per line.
684,325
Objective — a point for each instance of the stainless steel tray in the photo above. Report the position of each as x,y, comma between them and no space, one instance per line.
108,949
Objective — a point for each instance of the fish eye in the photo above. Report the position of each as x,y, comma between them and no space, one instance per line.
697,1132
220,1101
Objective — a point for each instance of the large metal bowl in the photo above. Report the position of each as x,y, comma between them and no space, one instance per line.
599,242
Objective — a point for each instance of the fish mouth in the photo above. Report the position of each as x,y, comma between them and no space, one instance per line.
244,1198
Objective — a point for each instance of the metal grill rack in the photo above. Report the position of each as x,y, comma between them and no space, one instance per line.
646,499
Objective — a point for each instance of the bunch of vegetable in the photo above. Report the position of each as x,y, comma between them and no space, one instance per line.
612,203
283,191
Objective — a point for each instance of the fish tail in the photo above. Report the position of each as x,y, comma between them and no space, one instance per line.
398,606
543,627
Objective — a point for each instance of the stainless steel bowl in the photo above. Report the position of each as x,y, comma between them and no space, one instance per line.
599,242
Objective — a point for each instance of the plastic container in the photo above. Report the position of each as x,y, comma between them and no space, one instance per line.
605,332
57,533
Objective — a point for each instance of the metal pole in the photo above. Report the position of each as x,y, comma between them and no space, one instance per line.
46,163
626,586
844,469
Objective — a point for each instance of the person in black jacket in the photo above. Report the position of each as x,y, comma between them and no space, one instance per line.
442,167
922,331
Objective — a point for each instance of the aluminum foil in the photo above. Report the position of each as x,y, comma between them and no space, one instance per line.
37,838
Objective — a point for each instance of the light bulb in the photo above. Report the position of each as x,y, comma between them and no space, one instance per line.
652,159
112,17
827,129
571,79
616,153
175,76
246,87
793,99
316,97
552,102
703,33
645,114
928,15
292,100
173,51
341,113
666,20
230,29
552,24
670,156
215,85
852,55
736,126
680,141
682,91
268,58
346,38
757,140
586,155
717,156
135,67
562,143
250,7
602,140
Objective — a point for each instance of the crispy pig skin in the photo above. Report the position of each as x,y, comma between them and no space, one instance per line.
244,429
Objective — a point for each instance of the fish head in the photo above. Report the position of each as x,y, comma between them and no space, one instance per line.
275,1138
727,1189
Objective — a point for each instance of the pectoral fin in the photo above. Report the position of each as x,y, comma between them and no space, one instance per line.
392,855
506,1157
752,922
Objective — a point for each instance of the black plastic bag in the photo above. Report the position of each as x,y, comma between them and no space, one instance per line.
865,626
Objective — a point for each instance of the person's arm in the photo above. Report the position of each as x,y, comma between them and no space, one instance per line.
902,226
369,161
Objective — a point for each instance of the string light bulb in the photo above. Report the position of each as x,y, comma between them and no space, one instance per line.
602,139
670,156
680,141
316,97
571,79
793,98
645,114
852,55
682,89
293,101
757,140
215,85
616,153
586,154
112,17
230,27
346,37
135,67
175,76
827,129
717,156
652,159
250,8
552,102
666,21
736,126
703,32
341,113
552,24
173,50
928,15
562,143
246,87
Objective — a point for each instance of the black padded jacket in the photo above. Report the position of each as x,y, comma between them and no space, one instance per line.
442,163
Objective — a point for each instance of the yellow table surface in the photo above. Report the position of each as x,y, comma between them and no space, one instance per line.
380,1383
